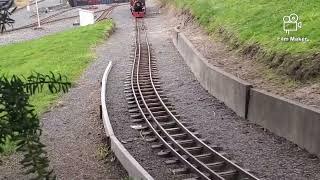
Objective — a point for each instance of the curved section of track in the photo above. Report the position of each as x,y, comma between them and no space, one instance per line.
45,20
50,19
105,14
172,137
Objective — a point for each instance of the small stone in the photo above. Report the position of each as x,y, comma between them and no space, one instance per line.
260,141
313,157
245,132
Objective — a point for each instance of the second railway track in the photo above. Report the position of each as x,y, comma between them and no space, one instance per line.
174,139
50,19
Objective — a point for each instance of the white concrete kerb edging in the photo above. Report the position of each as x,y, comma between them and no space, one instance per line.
105,117
286,118
134,169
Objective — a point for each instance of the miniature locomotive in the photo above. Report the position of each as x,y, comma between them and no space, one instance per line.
138,8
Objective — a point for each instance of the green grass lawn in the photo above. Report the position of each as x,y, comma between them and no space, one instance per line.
67,53
249,23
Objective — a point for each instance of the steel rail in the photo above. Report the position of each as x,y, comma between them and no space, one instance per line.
43,21
194,165
48,20
243,172
70,17
106,13
195,170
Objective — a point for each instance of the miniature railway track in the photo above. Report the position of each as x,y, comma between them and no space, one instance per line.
105,14
42,21
173,138
50,19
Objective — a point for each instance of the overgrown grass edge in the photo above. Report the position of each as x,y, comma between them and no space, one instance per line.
297,66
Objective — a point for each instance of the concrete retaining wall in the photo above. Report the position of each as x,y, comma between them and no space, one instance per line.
134,169
293,121
231,90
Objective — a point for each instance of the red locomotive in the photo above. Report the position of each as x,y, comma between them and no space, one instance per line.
138,8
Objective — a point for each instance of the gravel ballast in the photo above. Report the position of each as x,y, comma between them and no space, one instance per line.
119,50
267,155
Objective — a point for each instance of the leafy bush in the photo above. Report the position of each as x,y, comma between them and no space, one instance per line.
20,123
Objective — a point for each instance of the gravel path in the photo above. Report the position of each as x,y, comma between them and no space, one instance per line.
29,34
22,18
267,155
74,134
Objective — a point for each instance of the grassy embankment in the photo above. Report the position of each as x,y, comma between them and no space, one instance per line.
68,53
256,28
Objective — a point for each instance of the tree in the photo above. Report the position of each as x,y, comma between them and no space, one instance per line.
19,121
7,7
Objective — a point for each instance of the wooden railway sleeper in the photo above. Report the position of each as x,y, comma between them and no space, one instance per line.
184,143
141,85
144,82
172,124
174,130
149,105
143,77
129,91
178,171
151,100
136,110
181,136
192,150
162,112
146,93
134,106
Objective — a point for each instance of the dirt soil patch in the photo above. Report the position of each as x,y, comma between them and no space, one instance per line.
256,73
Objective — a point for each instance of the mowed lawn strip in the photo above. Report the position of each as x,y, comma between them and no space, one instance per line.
67,53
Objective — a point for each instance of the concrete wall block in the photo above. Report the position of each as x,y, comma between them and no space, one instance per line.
224,86
174,35
291,120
